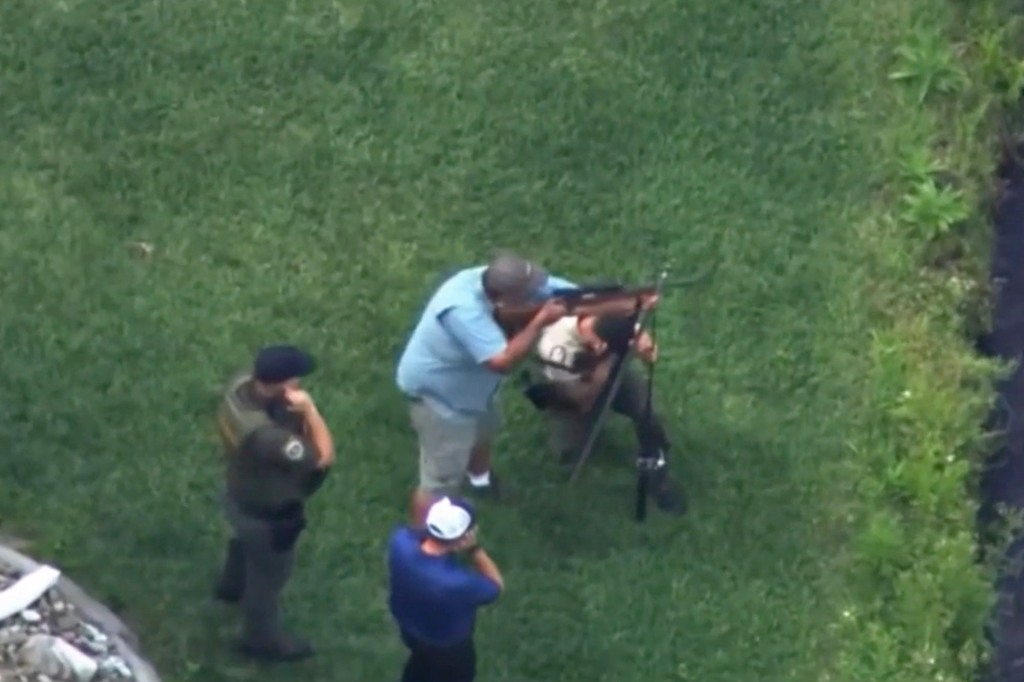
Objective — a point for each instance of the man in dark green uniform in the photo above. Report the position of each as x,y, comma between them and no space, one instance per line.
278,451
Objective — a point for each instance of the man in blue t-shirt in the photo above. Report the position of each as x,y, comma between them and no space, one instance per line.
433,596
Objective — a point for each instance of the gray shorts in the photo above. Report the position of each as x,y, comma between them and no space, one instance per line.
446,443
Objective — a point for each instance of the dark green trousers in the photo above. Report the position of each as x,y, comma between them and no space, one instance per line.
569,430
267,548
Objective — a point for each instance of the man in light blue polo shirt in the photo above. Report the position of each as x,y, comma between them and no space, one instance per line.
453,365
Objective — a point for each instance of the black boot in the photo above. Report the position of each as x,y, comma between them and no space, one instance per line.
231,584
281,649
669,496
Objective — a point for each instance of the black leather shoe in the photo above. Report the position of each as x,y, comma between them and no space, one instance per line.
668,494
671,501
284,649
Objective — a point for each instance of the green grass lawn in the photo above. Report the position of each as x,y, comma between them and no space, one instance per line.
305,171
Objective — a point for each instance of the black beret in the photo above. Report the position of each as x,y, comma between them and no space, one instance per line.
275,364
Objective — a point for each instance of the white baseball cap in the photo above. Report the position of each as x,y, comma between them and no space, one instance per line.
448,519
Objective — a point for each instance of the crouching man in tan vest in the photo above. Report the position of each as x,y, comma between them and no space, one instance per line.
576,363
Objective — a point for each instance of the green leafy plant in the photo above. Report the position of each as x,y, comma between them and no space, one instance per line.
919,163
929,64
1003,73
934,209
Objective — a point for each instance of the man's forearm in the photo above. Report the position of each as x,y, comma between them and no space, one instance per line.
521,344
321,437
486,565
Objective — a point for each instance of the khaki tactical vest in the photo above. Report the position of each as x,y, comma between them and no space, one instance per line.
259,479
237,419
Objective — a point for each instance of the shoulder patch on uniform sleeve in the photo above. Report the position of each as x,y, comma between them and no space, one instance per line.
294,450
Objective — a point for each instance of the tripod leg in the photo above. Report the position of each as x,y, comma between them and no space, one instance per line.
641,496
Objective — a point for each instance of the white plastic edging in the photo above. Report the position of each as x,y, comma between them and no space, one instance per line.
123,639
27,590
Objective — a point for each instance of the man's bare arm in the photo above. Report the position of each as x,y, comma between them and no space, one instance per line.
316,427
321,437
522,343
518,347
486,565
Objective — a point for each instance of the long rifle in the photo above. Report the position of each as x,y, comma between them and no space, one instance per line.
584,299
